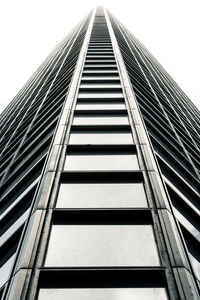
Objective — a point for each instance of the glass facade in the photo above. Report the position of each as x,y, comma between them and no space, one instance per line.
83,245
100,175
107,294
101,195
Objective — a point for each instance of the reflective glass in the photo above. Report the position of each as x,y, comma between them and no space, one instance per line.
102,245
100,106
6,269
101,162
77,195
100,85
88,78
104,294
101,120
100,95
196,265
187,224
101,138
15,226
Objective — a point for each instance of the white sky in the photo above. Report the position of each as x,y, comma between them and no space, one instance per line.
30,29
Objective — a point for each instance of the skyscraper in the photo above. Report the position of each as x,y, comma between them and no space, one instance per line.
100,175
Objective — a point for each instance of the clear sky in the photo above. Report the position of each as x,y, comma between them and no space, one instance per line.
30,29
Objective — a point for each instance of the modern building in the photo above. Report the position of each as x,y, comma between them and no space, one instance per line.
100,169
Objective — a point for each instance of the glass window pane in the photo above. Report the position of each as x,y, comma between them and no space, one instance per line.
101,138
105,294
102,245
100,95
101,162
100,86
195,264
14,227
102,195
107,78
6,269
100,106
101,120
186,223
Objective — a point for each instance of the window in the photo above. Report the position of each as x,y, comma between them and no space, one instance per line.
6,269
100,159
193,250
100,95
101,195
100,106
88,119
106,294
99,244
100,137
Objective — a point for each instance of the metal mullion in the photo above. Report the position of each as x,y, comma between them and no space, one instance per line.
178,105
43,120
10,152
49,128
19,164
176,152
48,66
10,187
3,166
56,102
157,119
195,161
47,171
144,95
183,136
38,139
13,145
165,131
179,93
147,106
34,135
190,190
38,110
63,78
141,79
190,149
163,215
22,171
36,75
35,97
188,142
167,116
150,126
181,166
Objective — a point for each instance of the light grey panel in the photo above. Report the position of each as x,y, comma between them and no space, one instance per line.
102,245
100,95
101,138
100,106
88,78
101,162
100,66
104,294
101,120
101,195
101,85
99,72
